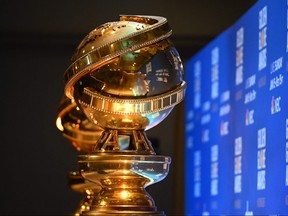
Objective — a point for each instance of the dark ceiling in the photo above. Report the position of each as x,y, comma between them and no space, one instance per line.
194,23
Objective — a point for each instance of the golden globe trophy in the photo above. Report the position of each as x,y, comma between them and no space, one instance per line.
125,78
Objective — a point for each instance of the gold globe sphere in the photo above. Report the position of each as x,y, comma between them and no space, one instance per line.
126,75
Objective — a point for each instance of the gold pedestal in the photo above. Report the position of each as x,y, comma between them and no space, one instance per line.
123,179
123,164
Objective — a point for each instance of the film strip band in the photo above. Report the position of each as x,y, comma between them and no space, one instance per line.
133,106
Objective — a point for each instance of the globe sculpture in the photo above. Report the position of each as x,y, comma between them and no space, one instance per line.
125,78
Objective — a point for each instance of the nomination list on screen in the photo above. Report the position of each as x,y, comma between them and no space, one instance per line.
236,147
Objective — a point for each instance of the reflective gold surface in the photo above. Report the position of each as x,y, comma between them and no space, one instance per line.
134,90
123,179
87,188
111,40
74,125
125,78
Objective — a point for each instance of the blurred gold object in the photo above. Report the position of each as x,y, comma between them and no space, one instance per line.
87,188
125,78
76,127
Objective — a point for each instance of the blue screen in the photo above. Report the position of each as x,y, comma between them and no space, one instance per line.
236,123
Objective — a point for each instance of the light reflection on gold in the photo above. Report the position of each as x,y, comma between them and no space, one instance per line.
59,124
88,192
126,108
125,194
127,120
103,203
125,172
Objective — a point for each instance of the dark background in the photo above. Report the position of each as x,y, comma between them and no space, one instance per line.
37,41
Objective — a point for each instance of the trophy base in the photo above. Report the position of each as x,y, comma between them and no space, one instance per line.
123,179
